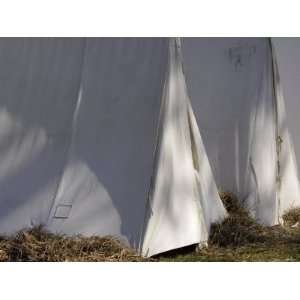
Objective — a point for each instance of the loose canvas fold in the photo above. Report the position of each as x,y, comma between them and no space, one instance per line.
184,200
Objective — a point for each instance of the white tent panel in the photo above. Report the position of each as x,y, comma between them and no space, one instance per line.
78,134
39,81
106,181
184,199
288,59
230,81
286,55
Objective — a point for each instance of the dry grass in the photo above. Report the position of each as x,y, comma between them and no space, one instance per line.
38,245
292,217
237,238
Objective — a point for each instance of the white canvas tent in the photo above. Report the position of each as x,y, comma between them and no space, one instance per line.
97,137
286,57
184,200
237,98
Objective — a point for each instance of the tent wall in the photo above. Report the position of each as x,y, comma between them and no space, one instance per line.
81,149
106,181
39,81
184,199
286,57
78,123
230,83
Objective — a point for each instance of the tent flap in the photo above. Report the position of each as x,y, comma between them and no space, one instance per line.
184,199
